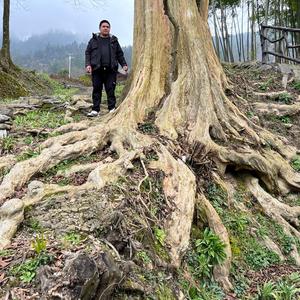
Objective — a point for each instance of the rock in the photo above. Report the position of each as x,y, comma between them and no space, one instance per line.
82,273
3,133
6,111
35,187
4,118
288,126
81,278
4,126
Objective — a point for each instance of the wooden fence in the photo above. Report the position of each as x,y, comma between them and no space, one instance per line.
284,49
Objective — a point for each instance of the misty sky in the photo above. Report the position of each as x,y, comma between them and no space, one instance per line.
39,16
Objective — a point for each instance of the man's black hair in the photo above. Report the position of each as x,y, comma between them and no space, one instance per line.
104,21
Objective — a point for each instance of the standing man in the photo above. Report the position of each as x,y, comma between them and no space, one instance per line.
102,56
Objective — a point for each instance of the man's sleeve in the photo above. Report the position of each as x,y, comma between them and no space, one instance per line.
88,55
120,55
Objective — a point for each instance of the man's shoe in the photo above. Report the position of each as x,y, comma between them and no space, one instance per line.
93,113
112,110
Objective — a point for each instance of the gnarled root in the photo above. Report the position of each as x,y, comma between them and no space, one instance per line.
276,109
221,272
281,213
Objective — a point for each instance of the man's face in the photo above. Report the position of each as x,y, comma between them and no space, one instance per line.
105,29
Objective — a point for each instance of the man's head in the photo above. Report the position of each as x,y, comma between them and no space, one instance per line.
104,27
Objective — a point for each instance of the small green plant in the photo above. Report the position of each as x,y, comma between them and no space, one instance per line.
39,245
5,253
160,235
27,270
211,247
119,89
287,291
236,221
285,119
30,153
28,140
72,238
285,98
143,256
295,163
218,197
250,114
33,224
7,144
296,85
147,128
267,292
40,119
258,257
265,85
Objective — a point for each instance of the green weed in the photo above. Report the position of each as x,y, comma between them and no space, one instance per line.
39,244
40,119
267,292
7,144
258,256
26,271
211,247
296,85
6,252
285,98
143,256
33,224
30,153
208,251
285,119
147,128
72,238
295,163
218,197
265,85
160,235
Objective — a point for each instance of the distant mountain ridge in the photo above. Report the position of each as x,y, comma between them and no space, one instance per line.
49,52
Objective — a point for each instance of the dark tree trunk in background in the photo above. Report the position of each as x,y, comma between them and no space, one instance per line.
5,58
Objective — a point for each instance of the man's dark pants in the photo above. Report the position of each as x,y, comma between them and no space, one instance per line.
108,77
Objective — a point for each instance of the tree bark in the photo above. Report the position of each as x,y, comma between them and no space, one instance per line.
5,57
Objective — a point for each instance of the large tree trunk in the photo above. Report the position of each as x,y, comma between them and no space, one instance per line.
177,78
5,57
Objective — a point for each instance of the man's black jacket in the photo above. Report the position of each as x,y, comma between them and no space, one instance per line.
93,53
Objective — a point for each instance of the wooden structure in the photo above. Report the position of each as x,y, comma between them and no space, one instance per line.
285,47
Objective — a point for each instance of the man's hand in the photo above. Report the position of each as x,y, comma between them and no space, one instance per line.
89,69
125,69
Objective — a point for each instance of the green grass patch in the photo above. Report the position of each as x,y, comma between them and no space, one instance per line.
58,89
7,145
40,119
144,257
26,271
285,289
72,239
206,252
30,153
285,98
295,163
266,85
296,85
